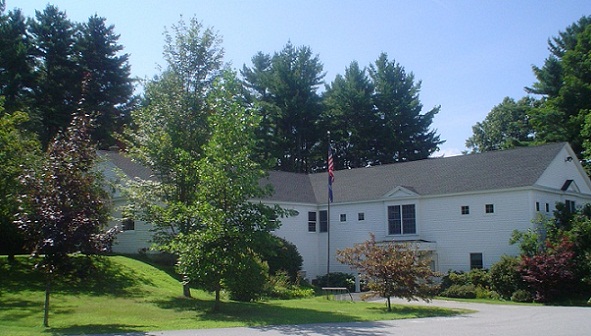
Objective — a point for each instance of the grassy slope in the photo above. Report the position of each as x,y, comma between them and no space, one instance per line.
127,295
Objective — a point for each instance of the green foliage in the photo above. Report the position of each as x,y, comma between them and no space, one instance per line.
350,116
282,287
249,279
285,87
170,131
473,284
108,93
394,269
16,76
232,227
521,295
44,60
283,256
467,291
57,88
505,278
405,133
505,126
18,149
563,82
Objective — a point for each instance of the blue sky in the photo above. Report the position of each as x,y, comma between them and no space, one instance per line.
468,54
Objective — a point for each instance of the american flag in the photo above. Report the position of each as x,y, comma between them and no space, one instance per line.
330,173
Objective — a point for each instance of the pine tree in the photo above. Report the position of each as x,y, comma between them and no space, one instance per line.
55,92
110,90
404,133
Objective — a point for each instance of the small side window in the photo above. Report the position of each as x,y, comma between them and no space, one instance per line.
489,208
361,216
465,210
128,224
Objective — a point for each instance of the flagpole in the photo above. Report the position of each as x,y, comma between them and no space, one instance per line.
329,200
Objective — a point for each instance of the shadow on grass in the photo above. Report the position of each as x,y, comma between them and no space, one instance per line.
84,275
415,311
96,329
265,314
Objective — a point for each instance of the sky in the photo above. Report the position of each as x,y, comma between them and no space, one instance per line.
468,55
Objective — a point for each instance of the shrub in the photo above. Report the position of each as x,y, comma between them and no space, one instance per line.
284,257
479,277
521,295
460,291
486,293
280,287
505,278
248,281
336,279
453,278
551,272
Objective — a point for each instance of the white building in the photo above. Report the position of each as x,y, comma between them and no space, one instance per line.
463,209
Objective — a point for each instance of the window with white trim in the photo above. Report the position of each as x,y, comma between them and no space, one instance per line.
465,210
312,221
402,219
489,208
476,261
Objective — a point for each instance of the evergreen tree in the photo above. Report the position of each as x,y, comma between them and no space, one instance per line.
16,61
56,92
404,133
350,116
110,90
563,82
286,84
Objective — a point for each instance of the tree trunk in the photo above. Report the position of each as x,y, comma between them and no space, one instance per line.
389,305
216,305
46,306
186,287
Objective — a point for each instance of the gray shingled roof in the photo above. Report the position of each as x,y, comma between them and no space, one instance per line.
496,170
127,166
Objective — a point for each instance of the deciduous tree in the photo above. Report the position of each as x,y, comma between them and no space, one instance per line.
18,149
505,126
392,269
65,207
233,229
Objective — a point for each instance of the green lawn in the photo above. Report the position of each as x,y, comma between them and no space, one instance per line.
127,295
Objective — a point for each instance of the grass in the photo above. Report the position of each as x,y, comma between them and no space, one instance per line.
121,294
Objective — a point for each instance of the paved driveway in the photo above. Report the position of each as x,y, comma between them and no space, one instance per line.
488,320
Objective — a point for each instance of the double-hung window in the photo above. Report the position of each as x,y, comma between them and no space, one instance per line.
312,221
402,219
323,220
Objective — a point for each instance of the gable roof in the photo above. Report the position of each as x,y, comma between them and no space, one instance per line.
494,170
130,168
